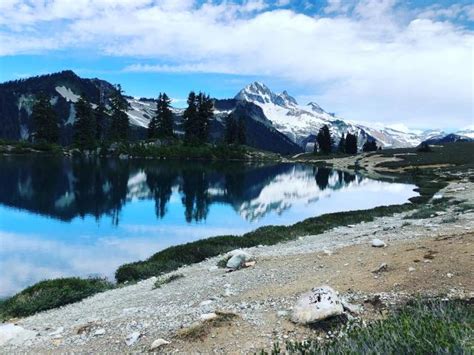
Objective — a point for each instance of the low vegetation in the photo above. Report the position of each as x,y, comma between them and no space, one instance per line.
50,294
163,280
422,327
174,257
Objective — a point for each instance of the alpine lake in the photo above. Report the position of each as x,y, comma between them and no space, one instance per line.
62,217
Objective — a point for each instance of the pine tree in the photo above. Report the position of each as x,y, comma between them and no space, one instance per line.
153,124
45,121
84,124
120,123
230,130
101,122
190,119
341,148
164,116
369,146
324,140
205,108
351,144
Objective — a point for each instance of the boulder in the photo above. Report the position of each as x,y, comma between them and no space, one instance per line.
377,243
208,316
14,335
318,304
238,258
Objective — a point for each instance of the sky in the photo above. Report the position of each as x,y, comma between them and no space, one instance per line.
398,63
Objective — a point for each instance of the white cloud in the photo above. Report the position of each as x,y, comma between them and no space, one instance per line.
370,62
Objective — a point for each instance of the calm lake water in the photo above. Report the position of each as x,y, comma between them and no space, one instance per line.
79,217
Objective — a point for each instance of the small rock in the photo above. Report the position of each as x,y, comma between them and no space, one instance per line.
207,316
381,268
282,313
132,338
411,269
437,196
377,243
250,263
449,275
100,331
318,304
327,252
158,343
205,303
57,332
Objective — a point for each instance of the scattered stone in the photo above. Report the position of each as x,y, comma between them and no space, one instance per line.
377,243
411,269
158,343
383,267
14,335
351,308
207,316
449,275
282,313
132,338
100,331
318,304
327,252
437,196
205,303
250,263
57,332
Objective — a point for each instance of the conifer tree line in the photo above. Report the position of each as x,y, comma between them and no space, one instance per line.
197,115
161,125
347,144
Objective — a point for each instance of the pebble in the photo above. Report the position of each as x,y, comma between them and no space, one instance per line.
377,243
158,343
132,338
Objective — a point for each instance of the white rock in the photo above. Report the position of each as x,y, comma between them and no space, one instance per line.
57,331
100,331
449,275
327,252
238,259
14,334
437,197
205,303
132,338
318,304
207,316
158,343
411,269
377,243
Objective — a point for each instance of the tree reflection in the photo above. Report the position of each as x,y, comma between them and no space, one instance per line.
160,181
195,199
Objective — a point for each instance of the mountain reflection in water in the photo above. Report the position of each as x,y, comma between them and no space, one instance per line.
82,216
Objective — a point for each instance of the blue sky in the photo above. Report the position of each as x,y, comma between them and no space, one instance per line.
395,62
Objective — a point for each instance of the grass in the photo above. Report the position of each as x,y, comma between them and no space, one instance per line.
24,147
202,330
420,327
50,294
429,210
174,257
163,280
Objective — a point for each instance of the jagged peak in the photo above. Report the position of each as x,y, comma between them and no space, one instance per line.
258,92
315,107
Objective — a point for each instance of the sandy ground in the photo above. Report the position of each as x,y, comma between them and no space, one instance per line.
432,256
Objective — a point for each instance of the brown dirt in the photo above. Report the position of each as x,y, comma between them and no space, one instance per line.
348,270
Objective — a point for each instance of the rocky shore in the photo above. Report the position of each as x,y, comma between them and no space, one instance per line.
422,256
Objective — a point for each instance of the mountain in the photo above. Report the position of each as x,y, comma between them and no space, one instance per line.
450,138
302,123
274,121
64,88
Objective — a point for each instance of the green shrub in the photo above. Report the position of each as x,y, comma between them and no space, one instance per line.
176,256
423,327
50,294
162,280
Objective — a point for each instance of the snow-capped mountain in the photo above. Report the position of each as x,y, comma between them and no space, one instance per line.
302,123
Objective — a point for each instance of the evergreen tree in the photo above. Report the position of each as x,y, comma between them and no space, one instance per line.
324,140
205,113
101,122
231,134
351,144
164,116
241,130
190,119
341,148
153,124
369,146
84,124
44,120
120,123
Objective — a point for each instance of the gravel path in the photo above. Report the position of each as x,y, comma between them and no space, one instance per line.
262,295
